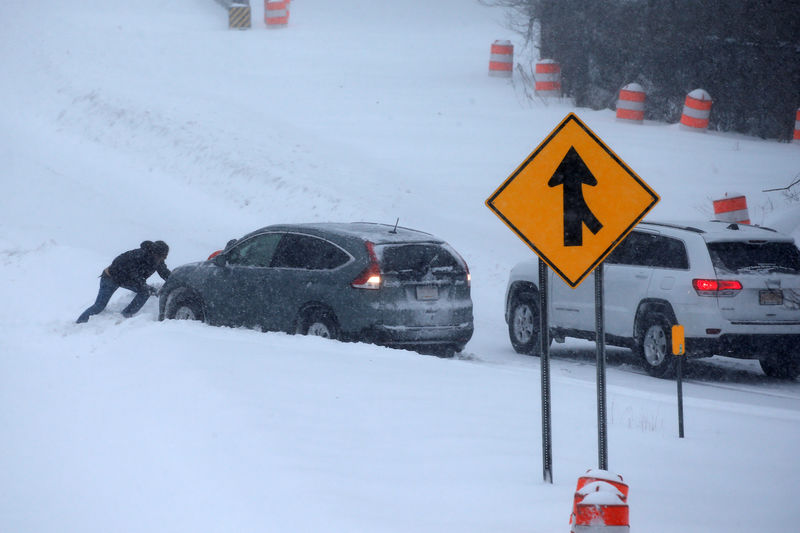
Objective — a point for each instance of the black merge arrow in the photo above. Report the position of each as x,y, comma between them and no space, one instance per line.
573,173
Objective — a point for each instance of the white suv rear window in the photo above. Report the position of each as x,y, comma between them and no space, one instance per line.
741,257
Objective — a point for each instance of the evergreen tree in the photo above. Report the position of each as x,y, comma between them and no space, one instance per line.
745,53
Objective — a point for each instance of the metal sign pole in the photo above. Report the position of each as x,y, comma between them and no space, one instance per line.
544,337
680,396
602,435
679,350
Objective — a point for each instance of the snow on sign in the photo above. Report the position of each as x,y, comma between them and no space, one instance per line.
572,200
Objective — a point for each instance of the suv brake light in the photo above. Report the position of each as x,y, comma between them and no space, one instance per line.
716,287
466,268
370,277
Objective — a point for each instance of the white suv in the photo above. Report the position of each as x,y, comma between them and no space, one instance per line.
735,288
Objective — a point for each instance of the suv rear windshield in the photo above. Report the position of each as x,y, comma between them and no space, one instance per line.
741,257
419,259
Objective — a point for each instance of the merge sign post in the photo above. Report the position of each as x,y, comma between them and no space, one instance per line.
572,201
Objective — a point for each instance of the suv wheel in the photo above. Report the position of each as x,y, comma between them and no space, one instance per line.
186,308
320,323
784,366
654,346
523,323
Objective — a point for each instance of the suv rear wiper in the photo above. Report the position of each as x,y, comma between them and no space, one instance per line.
782,269
769,269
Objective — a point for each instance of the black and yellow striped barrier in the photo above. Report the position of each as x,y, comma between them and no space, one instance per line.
239,16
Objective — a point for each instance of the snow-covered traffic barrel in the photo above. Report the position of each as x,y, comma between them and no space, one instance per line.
732,208
547,78
602,511
276,14
588,483
696,110
501,59
630,104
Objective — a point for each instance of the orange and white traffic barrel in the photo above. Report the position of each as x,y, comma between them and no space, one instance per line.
796,137
276,14
630,104
501,59
696,110
547,77
594,480
732,208
602,512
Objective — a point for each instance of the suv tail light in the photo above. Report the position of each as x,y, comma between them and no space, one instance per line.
370,277
716,287
466,267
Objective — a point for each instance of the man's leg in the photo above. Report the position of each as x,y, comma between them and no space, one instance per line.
137,303
107,288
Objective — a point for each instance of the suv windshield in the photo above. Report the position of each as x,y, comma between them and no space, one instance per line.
741,257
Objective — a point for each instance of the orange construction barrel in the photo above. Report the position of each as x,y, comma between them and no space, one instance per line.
547,78
796,137
630,104
501,59
732,208
276,14
696,110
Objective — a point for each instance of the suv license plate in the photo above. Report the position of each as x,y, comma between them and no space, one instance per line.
427,292
770,297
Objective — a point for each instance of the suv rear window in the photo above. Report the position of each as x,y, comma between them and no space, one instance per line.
416,260
307,252
741,257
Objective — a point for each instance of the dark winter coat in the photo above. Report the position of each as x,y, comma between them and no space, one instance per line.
132,268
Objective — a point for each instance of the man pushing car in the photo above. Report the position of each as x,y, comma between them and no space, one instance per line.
130,270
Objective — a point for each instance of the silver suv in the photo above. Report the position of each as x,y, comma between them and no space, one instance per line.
735,288
350,281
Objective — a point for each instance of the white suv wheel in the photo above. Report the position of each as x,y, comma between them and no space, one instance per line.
522,322
654,345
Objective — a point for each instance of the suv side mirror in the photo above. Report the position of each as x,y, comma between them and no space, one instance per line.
220,260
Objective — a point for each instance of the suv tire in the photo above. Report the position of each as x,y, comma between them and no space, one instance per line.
320,323
654,346
186,308
784,366
523,323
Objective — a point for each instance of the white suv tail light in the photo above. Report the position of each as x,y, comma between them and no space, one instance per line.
716,287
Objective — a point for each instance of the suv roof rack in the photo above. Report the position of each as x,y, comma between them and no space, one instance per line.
675,226
735,225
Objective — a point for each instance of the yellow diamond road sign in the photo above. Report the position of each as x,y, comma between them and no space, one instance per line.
572,200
